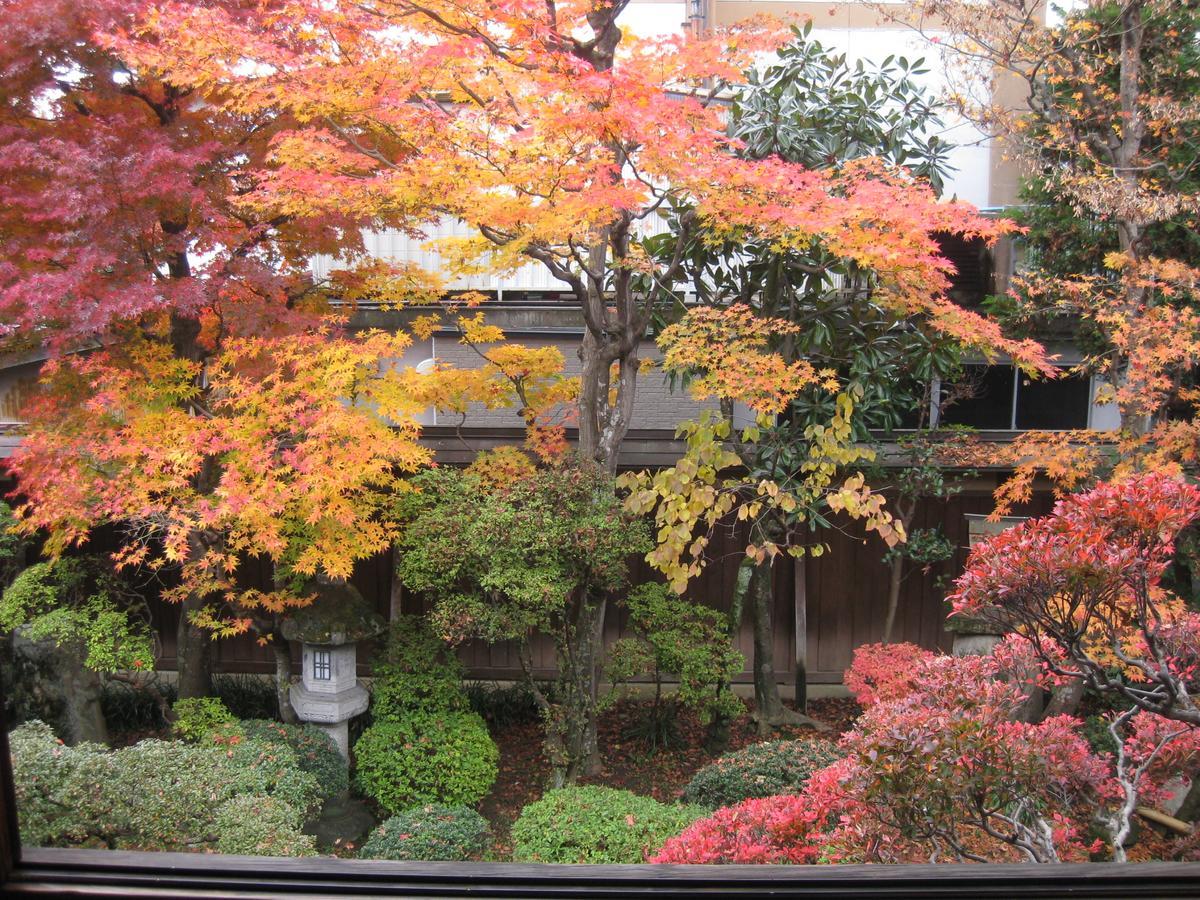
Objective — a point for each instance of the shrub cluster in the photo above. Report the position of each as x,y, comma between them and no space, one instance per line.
426,757
425,745
593,824
135,707
415,672
161,795
314,749
197,718
247,696
432,833
759,770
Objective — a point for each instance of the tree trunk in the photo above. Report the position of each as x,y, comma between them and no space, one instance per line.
283,675
1065,699
756,580
895,579
571,738
193,652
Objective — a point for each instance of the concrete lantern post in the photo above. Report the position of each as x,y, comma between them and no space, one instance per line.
328,694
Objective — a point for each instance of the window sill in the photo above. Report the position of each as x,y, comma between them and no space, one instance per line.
101,873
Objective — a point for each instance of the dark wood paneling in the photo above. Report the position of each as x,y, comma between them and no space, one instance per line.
846,590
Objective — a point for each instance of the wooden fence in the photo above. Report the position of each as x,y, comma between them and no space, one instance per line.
843,596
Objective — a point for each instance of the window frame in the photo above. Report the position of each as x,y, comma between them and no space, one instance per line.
108,873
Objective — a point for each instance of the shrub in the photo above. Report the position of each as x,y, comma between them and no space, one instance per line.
254,825
315,751
882,672
415,671
426,757
759,770
154,795
246,696
433,832
762,831
595,825
198,717
135,707
501,707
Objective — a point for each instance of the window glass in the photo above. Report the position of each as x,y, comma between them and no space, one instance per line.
981,398
1059,403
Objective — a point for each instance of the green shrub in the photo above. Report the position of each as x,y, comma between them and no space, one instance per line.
596,825
426,757
135,707
315,751
154,795
759,770
431,833
246,696
415,671
198,717
502,707
255,825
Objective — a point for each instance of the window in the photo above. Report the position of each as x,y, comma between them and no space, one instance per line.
1001,398
322,665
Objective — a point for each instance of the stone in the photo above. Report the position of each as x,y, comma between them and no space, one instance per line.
331,712
343,820
51,683
339,615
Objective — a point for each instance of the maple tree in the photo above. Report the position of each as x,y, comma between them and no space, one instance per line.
1083,588
202,395
558,137
938,769
1104,136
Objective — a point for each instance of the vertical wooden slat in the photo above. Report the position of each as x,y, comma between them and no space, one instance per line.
800,606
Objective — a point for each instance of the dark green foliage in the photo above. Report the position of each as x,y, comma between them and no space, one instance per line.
426,757
247,696
28,689
1099,738
680,638
501,707
431,833
159,795
132,708
314,749
80,605
760,770
197,718
500,563
815,108
414,671
596,825
536,554
12,546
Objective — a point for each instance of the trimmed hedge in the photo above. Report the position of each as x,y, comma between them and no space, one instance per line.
314,749
197,718
431,833
759,770
158,795
592,824
426,757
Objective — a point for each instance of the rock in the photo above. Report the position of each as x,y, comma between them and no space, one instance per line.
53,685
344,819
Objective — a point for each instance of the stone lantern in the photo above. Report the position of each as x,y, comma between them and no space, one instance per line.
328,694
